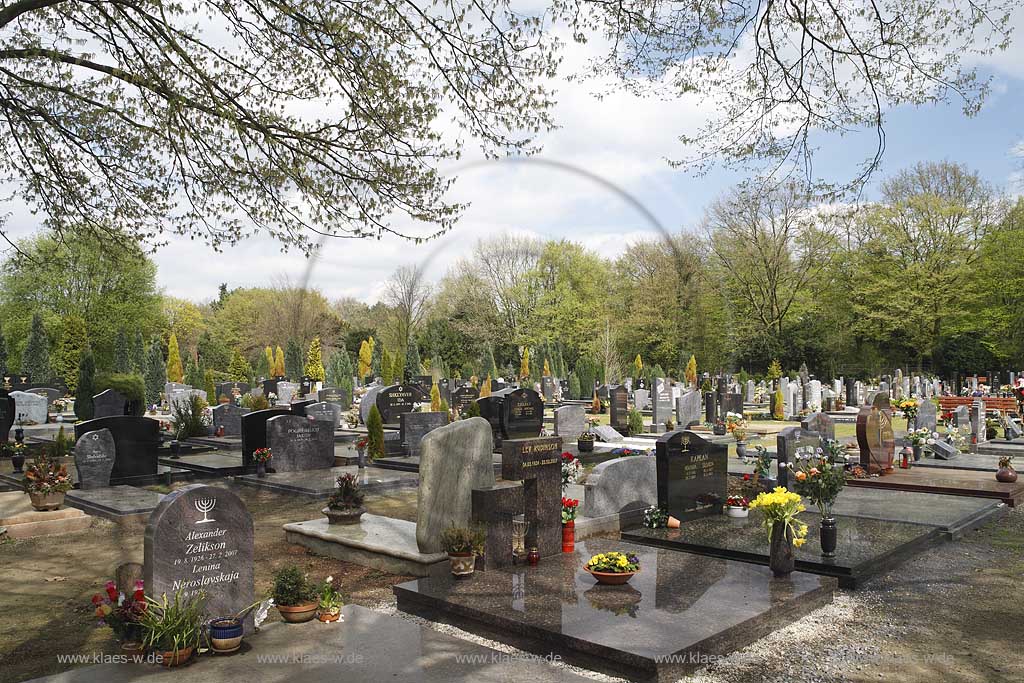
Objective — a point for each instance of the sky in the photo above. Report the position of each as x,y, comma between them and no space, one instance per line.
623,139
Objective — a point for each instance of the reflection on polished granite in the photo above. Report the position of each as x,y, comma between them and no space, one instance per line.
865,546
412,463
223,463
981,462
946,481
952,514
696,607
321,483
114,501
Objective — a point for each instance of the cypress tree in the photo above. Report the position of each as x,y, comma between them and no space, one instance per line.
268,358
156,373
84,408
375,434
293,364
3,353
574,385
175,373
435,398
365,358
315,362
36,359
387,369
122,359
239,369
138,354
279,366
413,364
210,387
489,366
73,342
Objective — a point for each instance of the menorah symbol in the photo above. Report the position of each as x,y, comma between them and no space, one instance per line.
685,442
204,505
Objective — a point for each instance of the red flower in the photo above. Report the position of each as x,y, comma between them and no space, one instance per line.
111,591
97,599
746,477
570,502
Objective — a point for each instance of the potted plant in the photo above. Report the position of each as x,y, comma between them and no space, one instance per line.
172,629
1006,473
737,506
122,613
918,439
345,505
585,441
737,426
670,425
295,598
46,482
991,429
785,531
572,468
569,508
612,568
262,456
820,480
462,545
329,602
655,518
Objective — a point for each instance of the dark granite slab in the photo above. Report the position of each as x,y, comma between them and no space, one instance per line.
952,514
321,483
115,501
689,606
979,462
866,547
215,463
412,463
946,481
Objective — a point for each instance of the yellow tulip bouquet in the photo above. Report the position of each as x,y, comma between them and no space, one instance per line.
781,507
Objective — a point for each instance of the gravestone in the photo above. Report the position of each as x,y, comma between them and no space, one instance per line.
328,412
602,392
621,485
228,416
269,387
368,401
607,434
791,443
394,400
961,416
710,407
179,397
49,393
254,432
94,459
733,404
232,390
200,539
454,460
285,392
547,387
693,475
171,387
944,450
927,416
415,426
570,421
6,414
491,410
821,423
787,397
17,382
751,391
875,435
462,397
136,444
29,408
618,407
299,443
299,407
336,395
661,409
814,395
978,427
537,463
522,414
688,409
642,399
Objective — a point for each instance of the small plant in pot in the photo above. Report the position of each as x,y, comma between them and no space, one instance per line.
613,568
1006,473
585,441
737,506
172,629
295,598
346,503
46,482
329,602
462,545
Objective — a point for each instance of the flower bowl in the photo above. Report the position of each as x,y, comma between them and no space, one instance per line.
611,578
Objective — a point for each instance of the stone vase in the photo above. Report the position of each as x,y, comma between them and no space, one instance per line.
261,469
829,536
917,451
780,556
17,462
361,457
46,501
741,449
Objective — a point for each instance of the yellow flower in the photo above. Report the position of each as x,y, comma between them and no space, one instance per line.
798,542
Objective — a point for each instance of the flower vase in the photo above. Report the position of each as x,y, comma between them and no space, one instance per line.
1006,475
917,448
741,449
17,461
261,469
569,536
361,457
780,558
829,536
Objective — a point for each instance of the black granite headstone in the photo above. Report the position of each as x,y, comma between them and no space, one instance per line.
229,389
300,443
618,401
269,387
6,414
229,416
547,387
414,426
462,397
522,414
537,463
337,396
299,407
394,400
109,403
94,459
693,475
136,445
200,539
254,432
791,443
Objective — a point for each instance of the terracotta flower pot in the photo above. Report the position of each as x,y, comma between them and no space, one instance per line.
462,564
46,501
172,658
298,614
611,578
328,617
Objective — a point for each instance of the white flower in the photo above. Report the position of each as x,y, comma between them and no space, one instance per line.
330,579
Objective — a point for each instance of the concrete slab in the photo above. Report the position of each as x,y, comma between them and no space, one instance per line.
22,521
383,543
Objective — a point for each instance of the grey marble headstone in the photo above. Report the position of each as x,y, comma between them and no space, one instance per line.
570,421
814,395
94,459
962,416
285,392
688,409
621,485
751,391
328,412
229,416
661,408
414,426
978,426
368,400
299,443
821,423
182,395
454,460
608,434
200,538
29,407
171,387
943,450
642,399
927,415
50,394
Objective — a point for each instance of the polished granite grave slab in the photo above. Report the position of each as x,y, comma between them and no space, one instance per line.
866,547
366,647
115,502
320,483
383,543
951,514
412,463
979,462
677,614
213,463
999,447
945,481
